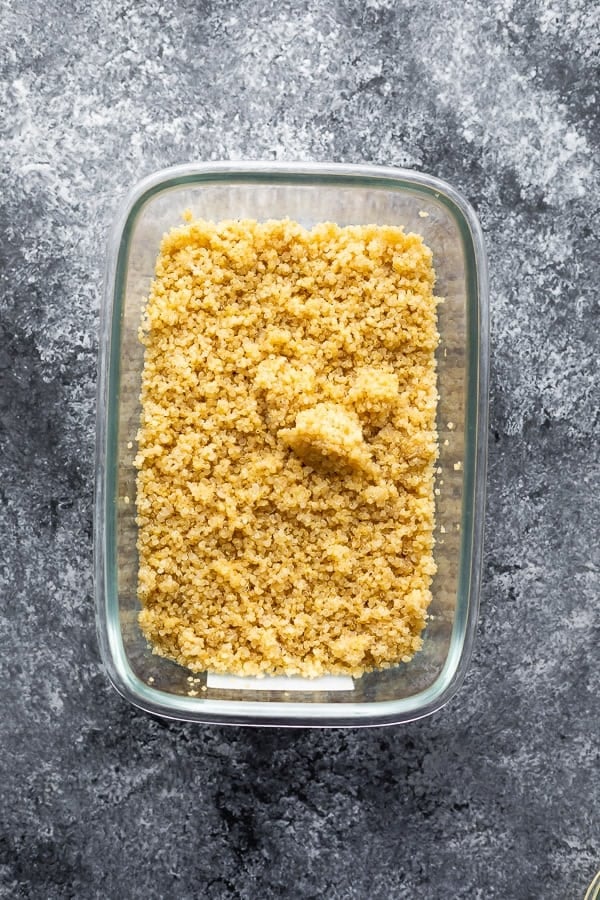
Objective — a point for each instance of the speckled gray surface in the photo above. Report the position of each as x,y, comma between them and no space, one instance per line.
495,796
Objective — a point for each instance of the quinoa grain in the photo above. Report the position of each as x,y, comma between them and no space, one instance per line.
286,452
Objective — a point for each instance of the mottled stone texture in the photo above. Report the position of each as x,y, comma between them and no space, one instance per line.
497,796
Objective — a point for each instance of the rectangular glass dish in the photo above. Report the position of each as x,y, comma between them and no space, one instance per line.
307,193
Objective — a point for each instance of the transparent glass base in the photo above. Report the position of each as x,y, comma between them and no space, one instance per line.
308,194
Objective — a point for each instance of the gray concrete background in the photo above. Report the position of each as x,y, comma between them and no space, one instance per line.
497,795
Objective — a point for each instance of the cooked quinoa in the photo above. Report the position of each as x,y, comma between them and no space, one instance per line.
287,447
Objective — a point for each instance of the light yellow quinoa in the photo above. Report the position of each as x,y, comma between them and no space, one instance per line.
287,447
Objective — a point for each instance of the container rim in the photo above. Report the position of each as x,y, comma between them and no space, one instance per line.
284,713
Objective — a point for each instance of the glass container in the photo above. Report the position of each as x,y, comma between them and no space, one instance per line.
307,193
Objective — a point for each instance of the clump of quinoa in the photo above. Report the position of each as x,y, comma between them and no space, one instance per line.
286,452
